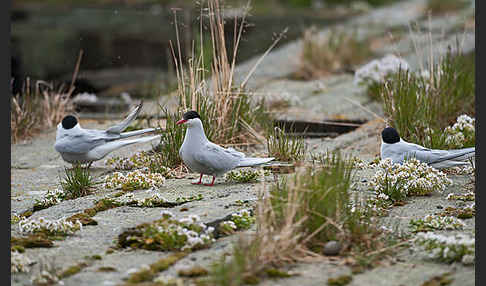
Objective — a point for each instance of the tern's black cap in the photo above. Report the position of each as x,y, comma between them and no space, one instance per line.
190,115
390,135
69,122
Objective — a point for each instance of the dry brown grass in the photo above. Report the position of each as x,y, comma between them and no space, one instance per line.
233,115
39,106
336,52
295,219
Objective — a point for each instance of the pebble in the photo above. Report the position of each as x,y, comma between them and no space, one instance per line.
332,248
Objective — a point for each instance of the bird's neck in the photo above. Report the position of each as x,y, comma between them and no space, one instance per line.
196,134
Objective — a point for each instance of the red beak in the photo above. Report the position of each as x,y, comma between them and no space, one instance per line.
181,121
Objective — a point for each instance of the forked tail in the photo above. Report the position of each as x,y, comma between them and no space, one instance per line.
249,162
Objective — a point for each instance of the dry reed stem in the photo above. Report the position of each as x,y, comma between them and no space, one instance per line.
220,93
43,107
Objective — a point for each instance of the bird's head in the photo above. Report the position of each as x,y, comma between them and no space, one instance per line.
69,122
190,118
390,135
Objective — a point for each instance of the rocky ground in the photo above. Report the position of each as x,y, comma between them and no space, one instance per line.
36,168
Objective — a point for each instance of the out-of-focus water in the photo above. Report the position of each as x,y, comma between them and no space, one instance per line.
123,45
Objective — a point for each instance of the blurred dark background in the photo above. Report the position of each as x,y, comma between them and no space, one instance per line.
125,43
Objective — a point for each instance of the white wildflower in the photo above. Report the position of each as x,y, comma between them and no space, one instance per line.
377,70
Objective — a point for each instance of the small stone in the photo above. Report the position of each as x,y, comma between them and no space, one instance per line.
440,207
332,248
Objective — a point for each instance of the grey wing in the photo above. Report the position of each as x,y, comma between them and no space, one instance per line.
217,159
403,150
124,124
81,142
436,156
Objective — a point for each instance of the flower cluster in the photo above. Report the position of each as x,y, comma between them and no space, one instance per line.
243,219
359,164
436,222
142,160
446,248
227,227
14,218
169,233
19,262
242,175
461,132
469,196
49,199
150,202
377,70
412,177
50,227
133,180
240,220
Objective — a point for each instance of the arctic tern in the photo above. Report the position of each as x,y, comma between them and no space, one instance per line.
397,149
79,146
204,157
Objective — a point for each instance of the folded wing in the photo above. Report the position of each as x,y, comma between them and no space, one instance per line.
216,158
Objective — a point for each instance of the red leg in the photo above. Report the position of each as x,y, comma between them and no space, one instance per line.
198,183
212,182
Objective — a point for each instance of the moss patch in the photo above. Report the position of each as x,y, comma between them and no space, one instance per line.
101,205
439,280
276,273
26,213
462,213
106,269
195,271
31,241
159,266
84,218
70,271
18,248
340,280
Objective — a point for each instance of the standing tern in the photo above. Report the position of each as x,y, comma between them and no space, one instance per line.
78,146
397,149
205,157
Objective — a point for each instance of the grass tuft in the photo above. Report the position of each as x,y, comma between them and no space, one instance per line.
421,106
284,147
337,52
36,108
77,182
296,218
40,106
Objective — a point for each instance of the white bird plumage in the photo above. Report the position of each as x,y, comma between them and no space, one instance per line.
397,149
204,157
79,145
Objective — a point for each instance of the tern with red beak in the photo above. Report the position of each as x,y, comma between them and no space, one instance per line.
204,157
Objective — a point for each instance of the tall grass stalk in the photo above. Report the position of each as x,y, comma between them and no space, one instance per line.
295,219
170,142
421,107
219,100
39,106
284,147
